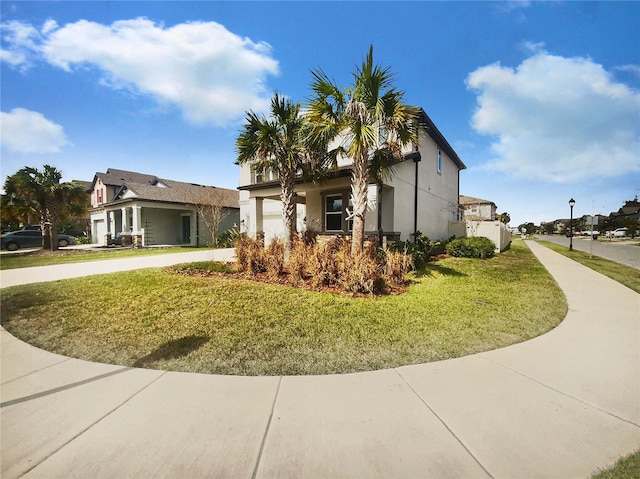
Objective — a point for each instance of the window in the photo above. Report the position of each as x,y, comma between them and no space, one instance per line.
333,213
439,162
99,198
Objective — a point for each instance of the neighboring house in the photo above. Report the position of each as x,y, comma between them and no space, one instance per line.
421,195
155,211
480,219
477,209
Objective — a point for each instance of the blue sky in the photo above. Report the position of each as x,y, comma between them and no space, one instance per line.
541,100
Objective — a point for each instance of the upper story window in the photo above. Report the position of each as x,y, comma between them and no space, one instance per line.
260,176
439,162
99,196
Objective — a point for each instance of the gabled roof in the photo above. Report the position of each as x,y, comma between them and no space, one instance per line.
470,200
149,187
439,138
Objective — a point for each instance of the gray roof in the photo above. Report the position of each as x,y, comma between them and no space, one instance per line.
152,188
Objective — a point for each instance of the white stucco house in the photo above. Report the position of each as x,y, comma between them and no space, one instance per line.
152,211
422,195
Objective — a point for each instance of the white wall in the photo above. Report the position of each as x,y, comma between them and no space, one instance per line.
496,231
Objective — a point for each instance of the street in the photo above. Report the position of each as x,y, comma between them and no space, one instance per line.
624,252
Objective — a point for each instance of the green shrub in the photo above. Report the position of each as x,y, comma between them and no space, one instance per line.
421,249
474,247
228,238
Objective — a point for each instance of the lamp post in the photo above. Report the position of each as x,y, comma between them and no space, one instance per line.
572,202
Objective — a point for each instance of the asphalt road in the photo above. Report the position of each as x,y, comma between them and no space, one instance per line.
623,252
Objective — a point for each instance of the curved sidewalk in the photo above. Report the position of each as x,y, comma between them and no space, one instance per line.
558,406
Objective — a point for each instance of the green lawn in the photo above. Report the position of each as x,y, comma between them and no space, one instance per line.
64,256
626,468
623,274
156,319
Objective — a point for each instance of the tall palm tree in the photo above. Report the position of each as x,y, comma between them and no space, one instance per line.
373,123
281,144
43,192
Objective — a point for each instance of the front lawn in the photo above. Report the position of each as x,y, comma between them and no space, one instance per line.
156,319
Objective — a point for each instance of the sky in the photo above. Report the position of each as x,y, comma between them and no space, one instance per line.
541,100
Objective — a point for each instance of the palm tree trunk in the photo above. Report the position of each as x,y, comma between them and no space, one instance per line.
52,216
289,205
359,188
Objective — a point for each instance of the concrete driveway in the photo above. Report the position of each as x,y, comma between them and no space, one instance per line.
558,406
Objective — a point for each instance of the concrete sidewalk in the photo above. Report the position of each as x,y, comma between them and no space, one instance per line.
39,274
558,406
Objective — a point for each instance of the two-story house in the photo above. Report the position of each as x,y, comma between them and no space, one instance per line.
421,195
477,209
155,211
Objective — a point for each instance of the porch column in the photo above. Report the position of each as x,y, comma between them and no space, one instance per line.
125,221
255,227
137,219
111,222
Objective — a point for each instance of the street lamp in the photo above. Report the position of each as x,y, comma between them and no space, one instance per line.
572,202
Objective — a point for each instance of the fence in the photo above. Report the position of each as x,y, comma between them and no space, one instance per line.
496,231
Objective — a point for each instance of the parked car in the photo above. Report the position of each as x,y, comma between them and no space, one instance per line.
31,238
593,234
620,232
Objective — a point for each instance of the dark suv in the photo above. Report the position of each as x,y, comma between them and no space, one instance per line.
30,237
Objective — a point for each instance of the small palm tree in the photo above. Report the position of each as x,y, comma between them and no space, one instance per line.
373,123
42,191
281,144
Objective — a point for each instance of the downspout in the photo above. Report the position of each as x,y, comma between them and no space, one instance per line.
380,232
197,230
416,160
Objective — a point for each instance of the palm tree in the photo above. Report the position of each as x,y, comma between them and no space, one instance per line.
281,144
373,123
42,192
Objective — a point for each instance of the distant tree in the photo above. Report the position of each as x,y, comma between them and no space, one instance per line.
212,210
529,228
35,192
504,218
548,228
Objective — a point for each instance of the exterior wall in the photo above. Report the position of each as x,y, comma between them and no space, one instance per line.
437,190
437,193
486,211
496,231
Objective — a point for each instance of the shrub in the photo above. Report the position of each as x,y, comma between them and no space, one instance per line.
250,254
299,260
396,265
421,249
228,238
325,264
273,258
474,247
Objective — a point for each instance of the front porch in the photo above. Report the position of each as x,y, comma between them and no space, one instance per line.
145,225
326,209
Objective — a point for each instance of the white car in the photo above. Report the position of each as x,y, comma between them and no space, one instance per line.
619,232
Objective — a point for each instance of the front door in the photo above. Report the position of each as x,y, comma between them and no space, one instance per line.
186,229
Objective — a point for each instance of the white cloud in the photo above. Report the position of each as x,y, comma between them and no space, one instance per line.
26,131
211,74
557,119
21,42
